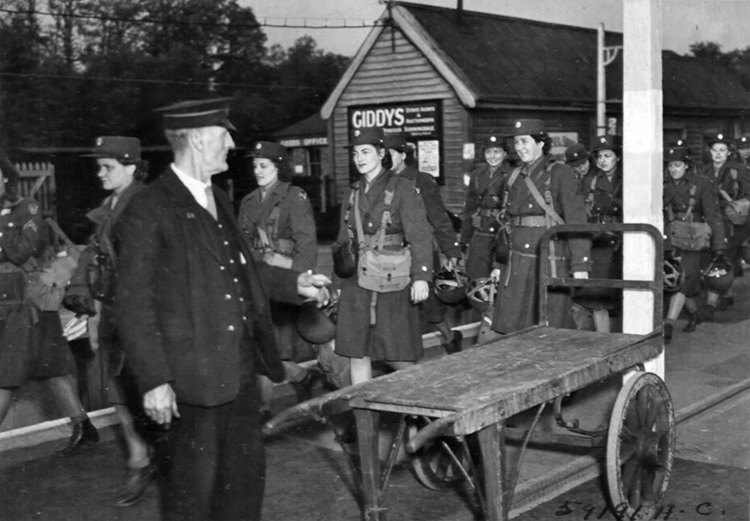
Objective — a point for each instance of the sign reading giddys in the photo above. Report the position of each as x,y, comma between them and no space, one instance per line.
414,119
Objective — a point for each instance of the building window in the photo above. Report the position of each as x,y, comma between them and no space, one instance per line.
314,163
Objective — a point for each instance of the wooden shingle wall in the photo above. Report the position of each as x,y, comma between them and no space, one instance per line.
396,71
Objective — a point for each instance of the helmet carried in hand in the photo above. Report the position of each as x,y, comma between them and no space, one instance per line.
719,275
674,275
450,285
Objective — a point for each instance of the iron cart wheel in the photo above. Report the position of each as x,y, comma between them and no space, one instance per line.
640,447
437,465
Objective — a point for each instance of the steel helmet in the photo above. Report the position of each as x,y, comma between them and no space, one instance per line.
674,275
719,275
481,293
317,325
450,285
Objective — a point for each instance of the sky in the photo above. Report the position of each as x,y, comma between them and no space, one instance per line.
684,22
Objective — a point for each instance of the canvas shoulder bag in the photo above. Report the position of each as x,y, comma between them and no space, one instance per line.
686,234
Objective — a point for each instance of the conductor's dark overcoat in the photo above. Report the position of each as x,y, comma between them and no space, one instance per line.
177,304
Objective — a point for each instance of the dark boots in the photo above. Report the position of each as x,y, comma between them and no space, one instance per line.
84,433
668,328
693,320
455,345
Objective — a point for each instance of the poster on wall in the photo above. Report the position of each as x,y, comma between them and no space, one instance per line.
421,122
428,152
561,141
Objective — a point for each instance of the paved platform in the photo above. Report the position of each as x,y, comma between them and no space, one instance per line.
309,479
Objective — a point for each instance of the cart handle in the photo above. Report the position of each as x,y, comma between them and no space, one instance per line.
656,286
433,430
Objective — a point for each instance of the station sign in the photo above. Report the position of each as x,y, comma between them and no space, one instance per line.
420,121
319,141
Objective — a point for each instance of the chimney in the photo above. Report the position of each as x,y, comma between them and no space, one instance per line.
459,10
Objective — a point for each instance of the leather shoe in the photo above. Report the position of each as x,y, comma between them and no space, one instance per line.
304,388
84,433
668,328
455,345
693,320
136,483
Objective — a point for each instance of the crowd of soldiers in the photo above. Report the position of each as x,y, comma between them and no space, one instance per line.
173,285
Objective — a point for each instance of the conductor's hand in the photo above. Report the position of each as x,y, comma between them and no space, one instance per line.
312,286
420,290
160,404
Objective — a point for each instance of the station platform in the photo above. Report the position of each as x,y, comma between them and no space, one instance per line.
308,477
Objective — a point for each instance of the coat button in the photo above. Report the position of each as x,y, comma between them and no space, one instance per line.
227,297
531,205
526,246
222,268
230,328
236,279
226,243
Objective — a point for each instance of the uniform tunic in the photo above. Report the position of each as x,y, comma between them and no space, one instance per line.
677,195
101,245
31,341
603,196
442,228
396,334
517,302
285,214
480,225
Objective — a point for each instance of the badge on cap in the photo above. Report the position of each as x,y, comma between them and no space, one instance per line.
258,146
33,208
99,141
602,140
720,136
357,133
493,138
518,124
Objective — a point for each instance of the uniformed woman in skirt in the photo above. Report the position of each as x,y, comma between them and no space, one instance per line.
681,188
375,326
516,306
278,220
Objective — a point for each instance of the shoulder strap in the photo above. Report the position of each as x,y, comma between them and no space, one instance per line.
691,204
551,213
349,206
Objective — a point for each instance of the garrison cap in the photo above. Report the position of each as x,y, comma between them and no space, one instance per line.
496,140
396,142
607,142
117,147
677,154
576,155
743,141
269,150
366,136
718,137
197,114
527,127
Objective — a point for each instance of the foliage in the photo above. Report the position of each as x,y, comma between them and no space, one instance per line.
74,69
737,61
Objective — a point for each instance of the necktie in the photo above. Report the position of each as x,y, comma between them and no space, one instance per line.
211,204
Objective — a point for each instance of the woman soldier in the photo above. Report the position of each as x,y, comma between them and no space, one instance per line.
688,197
278,219
32,345
537,195
730,181
602,190
91,292
482,207
374,325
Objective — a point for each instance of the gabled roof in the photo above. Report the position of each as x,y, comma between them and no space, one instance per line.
312,126
493,59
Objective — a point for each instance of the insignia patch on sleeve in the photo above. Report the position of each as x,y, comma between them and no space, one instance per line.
416,189
31,225
33,208
303,196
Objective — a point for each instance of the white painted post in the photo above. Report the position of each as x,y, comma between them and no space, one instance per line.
642,157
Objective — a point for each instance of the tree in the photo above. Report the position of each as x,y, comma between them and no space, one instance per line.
737,61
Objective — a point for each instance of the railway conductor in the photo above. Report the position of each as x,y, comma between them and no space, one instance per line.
193,312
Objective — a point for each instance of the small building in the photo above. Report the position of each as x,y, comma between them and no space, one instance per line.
449,77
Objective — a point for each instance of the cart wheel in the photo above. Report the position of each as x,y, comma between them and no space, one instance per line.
434,465
640,447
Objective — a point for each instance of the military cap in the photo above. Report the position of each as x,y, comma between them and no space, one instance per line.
197,114
117,147
718,137
269,150
576,155
607,142
677,154
495,140
396,142
366,136
526,127
743,141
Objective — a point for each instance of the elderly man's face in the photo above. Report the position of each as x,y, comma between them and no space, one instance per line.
216,144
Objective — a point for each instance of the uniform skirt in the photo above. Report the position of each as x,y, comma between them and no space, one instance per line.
32,346
692,264
517,304
396,334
